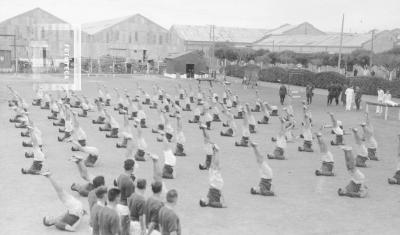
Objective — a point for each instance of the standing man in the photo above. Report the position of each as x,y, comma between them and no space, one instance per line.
381,94
282,93
168,219
309,93
343,95
349,97
358,95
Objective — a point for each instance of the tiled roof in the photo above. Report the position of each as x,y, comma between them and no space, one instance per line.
222,34
349,40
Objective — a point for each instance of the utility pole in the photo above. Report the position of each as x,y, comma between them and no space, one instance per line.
372,47
341,44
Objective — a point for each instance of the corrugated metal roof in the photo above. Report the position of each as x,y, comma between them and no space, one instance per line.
222,34
282,29
37,9
177,55
95,27
349,40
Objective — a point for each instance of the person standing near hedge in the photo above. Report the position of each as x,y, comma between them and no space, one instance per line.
282,92
358,95
343,96
309,93
338,91
349,97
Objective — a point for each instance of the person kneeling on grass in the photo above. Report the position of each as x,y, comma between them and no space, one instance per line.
361,150
196,114
231,125
280,143
244,141
141,116
396,178
326,158
214,196
264,187
169,160
307,135
72,218
113,126
91,181
126,133
265,108
251,119
38,158
371,143
337,129
356,187
100,111
180,138
141,145
208,147
93,153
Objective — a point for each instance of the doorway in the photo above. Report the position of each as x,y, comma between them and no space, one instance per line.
190,70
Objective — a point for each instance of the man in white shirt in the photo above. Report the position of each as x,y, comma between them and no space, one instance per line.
381,94
349,97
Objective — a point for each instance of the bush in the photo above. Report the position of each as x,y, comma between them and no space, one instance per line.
274,74
302,77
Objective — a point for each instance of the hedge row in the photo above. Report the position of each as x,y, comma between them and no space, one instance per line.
300,77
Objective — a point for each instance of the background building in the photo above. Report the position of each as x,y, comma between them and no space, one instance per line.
40,39
190,37
305,38
191,64
133,37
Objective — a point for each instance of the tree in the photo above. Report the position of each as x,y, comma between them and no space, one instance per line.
264,59
287,57
390,61
360,57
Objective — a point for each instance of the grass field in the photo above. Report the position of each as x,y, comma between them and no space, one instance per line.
305,203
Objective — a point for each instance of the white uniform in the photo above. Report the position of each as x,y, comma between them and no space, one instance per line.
381,95
349,97
215,178
169,158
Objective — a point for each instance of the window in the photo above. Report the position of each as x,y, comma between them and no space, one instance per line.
116,36
160,40
42,34
136,36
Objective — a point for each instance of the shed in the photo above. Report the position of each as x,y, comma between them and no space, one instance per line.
190,63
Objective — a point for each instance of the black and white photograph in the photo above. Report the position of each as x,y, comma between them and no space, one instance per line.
173,117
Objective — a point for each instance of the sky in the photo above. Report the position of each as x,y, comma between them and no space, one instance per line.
360,15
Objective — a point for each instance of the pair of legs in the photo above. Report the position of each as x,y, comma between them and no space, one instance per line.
263,188
264,120
353,190
244,142
307,146
179,151
338,140
67,221
278,154
326,169
82,189
228,132
214,199
207,163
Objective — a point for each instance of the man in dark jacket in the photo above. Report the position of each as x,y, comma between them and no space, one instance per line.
358,95
309,93
282,93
